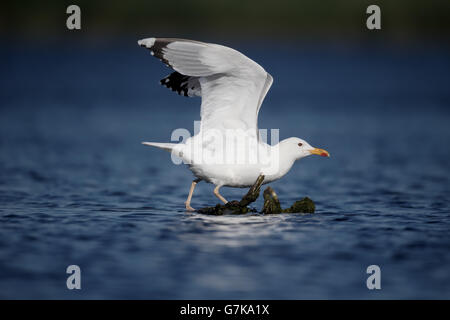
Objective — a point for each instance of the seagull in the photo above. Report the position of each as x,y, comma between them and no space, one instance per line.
228,150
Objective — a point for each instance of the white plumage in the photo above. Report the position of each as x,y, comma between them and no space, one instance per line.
227,151
232,86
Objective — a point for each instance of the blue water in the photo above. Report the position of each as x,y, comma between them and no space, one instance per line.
76,186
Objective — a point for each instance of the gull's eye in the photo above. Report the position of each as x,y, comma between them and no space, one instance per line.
300,144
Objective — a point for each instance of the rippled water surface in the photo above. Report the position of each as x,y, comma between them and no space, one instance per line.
76,186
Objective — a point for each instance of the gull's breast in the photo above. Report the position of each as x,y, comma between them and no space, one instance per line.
239,176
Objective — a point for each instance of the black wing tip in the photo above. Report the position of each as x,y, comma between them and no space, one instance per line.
156,46
176,82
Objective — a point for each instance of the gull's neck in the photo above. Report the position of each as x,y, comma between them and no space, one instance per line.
282,160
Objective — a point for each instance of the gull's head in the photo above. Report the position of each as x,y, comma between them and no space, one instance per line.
299,148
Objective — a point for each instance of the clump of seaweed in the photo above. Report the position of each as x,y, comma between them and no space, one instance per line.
271,203
237,207
306,205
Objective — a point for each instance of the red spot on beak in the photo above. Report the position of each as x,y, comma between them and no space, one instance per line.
320,152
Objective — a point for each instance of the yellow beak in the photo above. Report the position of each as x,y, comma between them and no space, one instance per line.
320,152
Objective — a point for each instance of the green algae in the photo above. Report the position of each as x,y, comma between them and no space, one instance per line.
237,207
271,203
306,205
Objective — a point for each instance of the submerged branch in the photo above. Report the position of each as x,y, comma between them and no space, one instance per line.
271,203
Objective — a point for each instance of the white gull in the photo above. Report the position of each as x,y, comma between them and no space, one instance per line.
228,149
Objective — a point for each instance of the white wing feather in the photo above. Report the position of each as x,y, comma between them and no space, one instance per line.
233,86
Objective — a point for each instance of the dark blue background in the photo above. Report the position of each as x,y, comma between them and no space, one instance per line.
76,186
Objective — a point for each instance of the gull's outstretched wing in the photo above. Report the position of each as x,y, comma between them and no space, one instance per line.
231,85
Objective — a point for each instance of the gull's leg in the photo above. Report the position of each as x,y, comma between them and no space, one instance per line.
218,195
191,191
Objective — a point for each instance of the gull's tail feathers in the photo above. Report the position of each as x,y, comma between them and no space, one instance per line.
165,146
